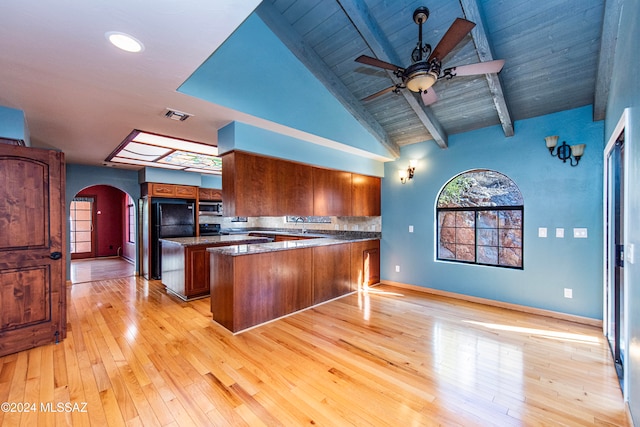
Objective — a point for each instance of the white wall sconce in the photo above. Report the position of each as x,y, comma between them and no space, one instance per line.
407,174
565,152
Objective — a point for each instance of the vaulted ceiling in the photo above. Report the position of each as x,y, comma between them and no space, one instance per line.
83,97
556,58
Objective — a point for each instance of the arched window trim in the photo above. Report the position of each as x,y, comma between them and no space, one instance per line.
473,241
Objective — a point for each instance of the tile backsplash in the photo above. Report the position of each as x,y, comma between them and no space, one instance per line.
342,223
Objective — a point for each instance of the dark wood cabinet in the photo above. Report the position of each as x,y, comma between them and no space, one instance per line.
365,264
249,184
254,185
253,288
331,272
185,268
263,186
295,189
331,192
365,195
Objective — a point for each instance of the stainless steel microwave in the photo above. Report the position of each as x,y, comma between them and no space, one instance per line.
210,208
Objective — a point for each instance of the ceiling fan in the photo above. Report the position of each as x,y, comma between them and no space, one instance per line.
426,67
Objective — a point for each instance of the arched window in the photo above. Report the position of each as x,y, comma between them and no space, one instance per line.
480,220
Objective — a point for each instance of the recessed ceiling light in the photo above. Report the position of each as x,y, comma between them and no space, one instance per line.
125,41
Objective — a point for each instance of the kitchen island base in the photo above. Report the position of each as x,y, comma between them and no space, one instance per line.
251,288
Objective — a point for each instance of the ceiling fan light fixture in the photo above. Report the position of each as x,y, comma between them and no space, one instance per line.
420,81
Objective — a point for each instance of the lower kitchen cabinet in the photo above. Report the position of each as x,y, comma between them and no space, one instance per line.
249,288
185,270
365,263
185,267
331,272
252,289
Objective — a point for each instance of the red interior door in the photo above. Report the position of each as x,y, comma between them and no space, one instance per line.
32,248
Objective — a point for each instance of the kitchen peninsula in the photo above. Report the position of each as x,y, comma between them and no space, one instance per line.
254,283
185,262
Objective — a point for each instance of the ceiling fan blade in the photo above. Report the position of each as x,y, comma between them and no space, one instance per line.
375,62
454,35
429,97
475,69
382,92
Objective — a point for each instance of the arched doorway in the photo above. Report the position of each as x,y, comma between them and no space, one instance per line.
102,234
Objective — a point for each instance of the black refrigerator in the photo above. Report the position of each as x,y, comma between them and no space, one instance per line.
169,219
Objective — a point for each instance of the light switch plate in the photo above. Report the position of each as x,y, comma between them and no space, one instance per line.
631,253
560,233
411,229
542,232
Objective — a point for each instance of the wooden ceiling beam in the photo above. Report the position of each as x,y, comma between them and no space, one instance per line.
608,41
295,43
471,12
358,13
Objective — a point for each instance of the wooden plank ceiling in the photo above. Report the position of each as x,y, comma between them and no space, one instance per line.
551,48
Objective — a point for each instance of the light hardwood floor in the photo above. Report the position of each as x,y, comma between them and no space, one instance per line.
94,269
390,357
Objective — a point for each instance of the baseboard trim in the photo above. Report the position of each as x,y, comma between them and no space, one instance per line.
516,307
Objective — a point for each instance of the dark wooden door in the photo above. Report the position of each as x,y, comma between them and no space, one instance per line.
32,248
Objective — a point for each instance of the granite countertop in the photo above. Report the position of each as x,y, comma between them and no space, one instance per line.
215,240
248,249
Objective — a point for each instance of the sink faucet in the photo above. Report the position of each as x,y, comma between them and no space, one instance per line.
301,218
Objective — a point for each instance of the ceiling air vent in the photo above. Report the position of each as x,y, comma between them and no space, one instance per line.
176,115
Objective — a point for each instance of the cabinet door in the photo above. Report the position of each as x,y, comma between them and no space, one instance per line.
162,190
295,189
365,263
331,192
186,191
331,272
209,194
365,196
198,263
255,186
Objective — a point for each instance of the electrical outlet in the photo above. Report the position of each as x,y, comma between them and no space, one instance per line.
397,269
568,293
542,232
580,233
560,233
411,229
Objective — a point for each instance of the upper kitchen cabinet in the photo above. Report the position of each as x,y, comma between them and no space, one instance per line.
263,186
154,189
254,185
209,195
365,195
331,192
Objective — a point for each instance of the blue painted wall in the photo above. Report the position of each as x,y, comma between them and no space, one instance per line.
241,136
169,176
625,93
255,73
555,195
13,125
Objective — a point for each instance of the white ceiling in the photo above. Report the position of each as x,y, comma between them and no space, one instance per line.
82,95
